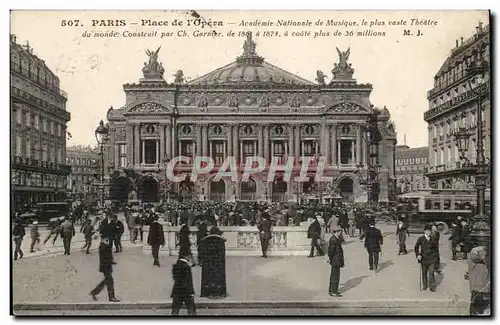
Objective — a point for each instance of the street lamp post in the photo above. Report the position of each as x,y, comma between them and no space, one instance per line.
476,72
100,134
373,137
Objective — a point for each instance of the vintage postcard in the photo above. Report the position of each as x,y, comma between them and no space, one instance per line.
185,162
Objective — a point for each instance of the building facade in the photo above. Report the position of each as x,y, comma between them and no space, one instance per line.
411,167
38,129
453,104
244,109
85,170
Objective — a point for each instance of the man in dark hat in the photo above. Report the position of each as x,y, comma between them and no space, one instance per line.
265,233
314,232
455,239
373,242
426,254
106,268
435,236
156,238
18,234
183,290
336,260
119,230
402,233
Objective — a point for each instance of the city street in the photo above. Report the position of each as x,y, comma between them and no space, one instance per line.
68,279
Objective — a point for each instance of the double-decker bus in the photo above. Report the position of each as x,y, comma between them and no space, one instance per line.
440,206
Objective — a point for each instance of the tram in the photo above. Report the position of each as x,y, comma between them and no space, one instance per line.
438,206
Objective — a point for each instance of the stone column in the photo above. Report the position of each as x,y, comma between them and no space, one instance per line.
129,138
291,152
335,157
230,140
137,145
236,140
322,136
297,141
198,140
266,144
365,151
261,141
358,145
143,145
327,145
353,152
157,151
204,148
162,143
168,141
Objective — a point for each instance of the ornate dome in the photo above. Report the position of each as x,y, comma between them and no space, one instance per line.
249,68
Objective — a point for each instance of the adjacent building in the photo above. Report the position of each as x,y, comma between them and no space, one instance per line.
38,129
452,104
85,170
411,166
246,108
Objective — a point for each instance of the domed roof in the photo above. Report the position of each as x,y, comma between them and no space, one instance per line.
249,68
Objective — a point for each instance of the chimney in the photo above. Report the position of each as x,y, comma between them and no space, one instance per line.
461,40
13,38
480,26
456,43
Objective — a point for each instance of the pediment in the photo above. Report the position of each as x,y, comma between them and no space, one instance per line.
148,108
346,107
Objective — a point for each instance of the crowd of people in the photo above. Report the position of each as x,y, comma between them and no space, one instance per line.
328,225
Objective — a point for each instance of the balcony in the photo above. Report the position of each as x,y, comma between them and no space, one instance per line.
38,165
21,94
454,102
50,87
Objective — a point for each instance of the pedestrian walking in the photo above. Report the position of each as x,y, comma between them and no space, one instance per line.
35,236
454,239
156,238
351,217
184,242
55,229
265,233
479,280
131,225
202,232
402,233
106,268
336,260
314,232
373,242
183,289
18,234
67,233
88,232
427,256
435,236
119,230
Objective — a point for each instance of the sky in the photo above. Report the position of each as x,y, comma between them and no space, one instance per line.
93,70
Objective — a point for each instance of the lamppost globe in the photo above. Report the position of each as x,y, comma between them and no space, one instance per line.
101,132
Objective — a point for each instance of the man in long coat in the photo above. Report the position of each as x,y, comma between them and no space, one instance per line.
373,242
456,232
183,290
264,233
106,268
314,232
18,234
67,233
402,233
435,236
336,260
426,254
156,238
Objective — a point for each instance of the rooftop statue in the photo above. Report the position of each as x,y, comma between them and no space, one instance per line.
153,68
249,45
343,57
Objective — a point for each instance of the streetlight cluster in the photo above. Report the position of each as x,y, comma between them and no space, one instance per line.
101,134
